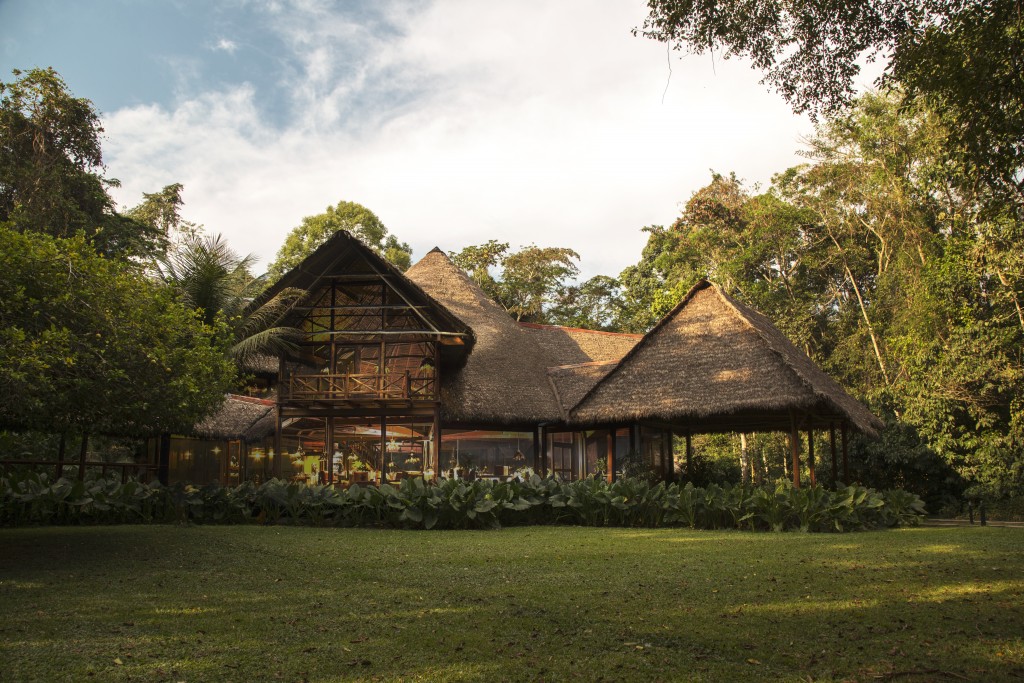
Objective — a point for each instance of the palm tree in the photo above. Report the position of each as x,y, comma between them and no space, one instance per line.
212,278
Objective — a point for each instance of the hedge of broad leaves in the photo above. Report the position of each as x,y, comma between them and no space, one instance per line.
33,499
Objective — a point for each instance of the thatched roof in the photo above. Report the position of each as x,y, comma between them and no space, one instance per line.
239,417
713,363
572,382
261,364
503,380
573,345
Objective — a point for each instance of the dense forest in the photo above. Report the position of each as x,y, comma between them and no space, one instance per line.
893,256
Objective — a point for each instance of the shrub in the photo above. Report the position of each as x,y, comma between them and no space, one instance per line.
31,498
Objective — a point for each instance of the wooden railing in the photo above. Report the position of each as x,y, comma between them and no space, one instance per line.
396,386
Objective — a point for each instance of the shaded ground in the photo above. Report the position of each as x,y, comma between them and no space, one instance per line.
164,603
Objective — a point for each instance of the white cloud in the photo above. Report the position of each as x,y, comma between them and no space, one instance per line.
226,45
525,122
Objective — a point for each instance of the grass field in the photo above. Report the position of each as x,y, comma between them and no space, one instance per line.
247,603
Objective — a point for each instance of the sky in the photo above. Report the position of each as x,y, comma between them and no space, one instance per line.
455,121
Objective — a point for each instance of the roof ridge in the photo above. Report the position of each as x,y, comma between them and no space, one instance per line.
252,399
593,363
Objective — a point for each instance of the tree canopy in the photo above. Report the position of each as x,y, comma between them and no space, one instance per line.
355,218
873,259
90,345
51,166
964,59
530,280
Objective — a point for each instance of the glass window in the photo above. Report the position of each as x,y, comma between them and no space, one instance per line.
303,457
488,454
197,461
371,450
596,451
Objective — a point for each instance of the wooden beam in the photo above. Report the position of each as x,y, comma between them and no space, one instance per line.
810,455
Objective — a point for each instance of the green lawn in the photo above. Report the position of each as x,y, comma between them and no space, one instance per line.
164,603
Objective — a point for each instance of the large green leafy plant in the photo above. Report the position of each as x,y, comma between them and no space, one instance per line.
32,498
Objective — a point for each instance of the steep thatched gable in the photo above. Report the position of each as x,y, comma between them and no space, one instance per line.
713,363
344,255
504,380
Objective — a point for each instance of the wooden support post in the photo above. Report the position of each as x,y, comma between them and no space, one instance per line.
810,455
794,450
610,475
668,463
832,445
543,471
276,458
81,456
538,441
689,457
383,448
846,454
329,443
436,444
60,455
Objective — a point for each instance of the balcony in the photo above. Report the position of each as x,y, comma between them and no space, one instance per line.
324,388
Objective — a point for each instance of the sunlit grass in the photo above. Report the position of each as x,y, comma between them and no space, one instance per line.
536,603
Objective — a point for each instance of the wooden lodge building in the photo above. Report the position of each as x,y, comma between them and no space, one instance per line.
420,374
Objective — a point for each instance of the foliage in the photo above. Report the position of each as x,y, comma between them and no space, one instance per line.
89,345
313,231
51,167
875,261
32,498
531,281
212,279
962,59
591,305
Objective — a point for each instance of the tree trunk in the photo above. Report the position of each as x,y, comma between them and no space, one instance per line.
81,457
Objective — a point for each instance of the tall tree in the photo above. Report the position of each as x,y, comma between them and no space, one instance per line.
51,166
355,218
